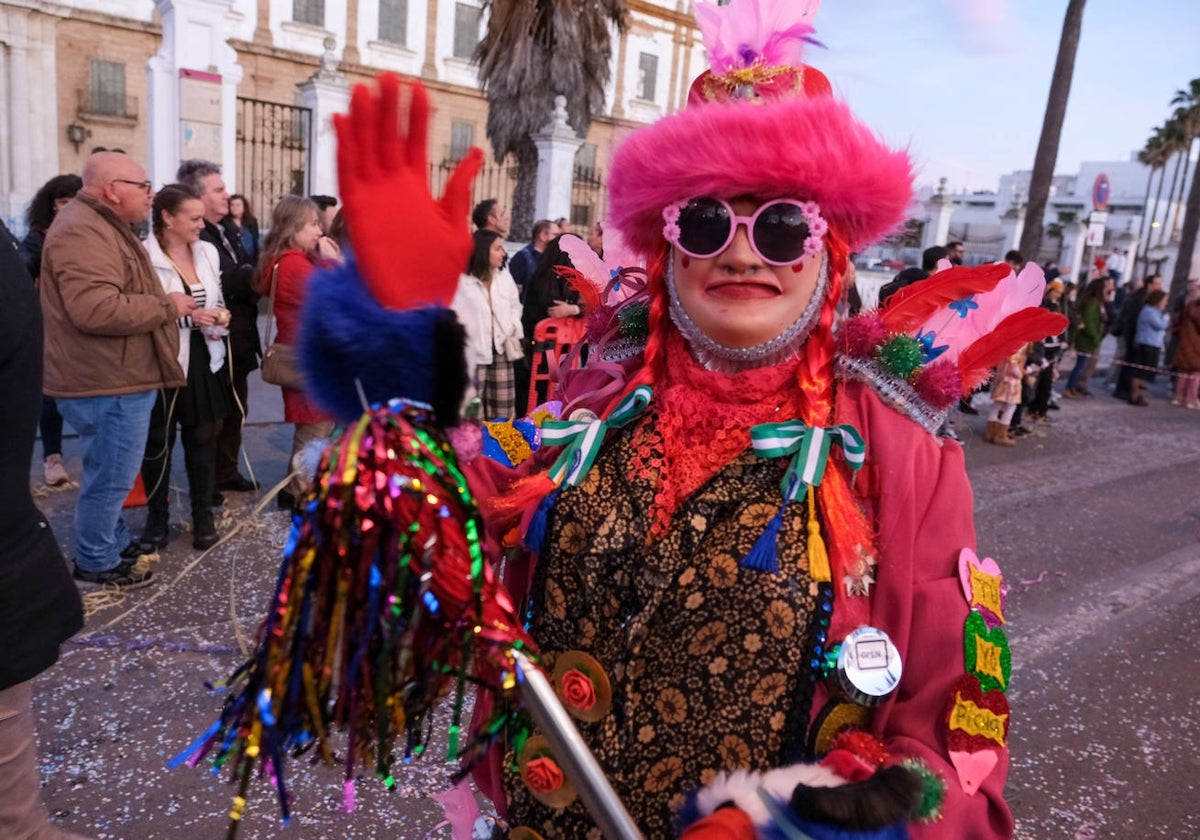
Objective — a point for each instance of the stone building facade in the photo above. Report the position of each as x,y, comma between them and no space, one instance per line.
164,79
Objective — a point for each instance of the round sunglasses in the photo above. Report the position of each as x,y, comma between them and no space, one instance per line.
781,232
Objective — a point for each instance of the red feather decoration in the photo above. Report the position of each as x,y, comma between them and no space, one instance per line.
586,288
914,304
1030,324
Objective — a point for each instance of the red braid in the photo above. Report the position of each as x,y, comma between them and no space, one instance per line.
846,528
654,359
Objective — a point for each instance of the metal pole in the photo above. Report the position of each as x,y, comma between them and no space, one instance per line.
572,753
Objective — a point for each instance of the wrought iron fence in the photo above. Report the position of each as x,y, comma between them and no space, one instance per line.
495,181
274,142
589,198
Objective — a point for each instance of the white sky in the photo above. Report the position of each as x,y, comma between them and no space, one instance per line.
964,83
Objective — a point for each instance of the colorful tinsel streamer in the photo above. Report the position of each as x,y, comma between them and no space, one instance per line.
385,601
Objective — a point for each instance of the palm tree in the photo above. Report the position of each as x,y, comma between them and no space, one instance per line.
1176,144
1189,101
1163,152
533,51
1189,123
1152,156
1052,123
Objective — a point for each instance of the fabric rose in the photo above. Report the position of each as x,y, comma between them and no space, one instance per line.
544,775
578,690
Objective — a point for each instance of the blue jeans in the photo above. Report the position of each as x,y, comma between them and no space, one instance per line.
112,432
1081,362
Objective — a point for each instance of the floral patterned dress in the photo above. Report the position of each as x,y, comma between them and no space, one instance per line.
709,661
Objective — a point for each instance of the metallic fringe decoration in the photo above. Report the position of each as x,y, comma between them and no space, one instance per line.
384,602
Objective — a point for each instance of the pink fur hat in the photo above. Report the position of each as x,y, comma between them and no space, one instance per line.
806,147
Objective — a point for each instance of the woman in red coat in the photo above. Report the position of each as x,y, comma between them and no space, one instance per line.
289,256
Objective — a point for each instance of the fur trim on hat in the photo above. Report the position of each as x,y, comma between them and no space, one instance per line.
810,148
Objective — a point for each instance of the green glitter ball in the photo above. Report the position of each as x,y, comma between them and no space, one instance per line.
933,791
634,320
900,356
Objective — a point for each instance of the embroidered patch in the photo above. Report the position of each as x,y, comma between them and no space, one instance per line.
975,719
986,653
983,585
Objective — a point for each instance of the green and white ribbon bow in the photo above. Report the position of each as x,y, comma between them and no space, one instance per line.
582,438
809,447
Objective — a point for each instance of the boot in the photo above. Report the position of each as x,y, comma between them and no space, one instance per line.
997,433
204,530
157,533
1001,437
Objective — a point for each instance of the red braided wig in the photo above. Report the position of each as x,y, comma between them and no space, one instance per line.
847,531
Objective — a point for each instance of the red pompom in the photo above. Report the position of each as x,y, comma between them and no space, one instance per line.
939,384
725,824
863,334
847,765
863,744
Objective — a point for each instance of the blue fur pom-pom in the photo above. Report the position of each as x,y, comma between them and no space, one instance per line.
348,339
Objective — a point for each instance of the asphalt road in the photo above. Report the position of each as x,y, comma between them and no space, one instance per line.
1095,521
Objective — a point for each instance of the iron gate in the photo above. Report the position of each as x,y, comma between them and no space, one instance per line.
274,142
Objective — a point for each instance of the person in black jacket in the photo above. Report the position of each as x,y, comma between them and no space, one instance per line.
53,194
237,270
1125,326
39,605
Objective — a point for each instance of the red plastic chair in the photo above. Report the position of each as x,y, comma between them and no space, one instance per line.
552,338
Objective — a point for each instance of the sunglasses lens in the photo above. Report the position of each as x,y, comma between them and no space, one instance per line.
780,232
703,227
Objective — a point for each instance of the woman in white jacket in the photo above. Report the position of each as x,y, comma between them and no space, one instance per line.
489,306
185,264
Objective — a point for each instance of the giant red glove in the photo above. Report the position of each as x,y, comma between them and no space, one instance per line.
410,248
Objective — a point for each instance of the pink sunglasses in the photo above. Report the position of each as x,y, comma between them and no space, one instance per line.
781,232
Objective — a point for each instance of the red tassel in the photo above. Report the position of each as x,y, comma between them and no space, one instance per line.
914,304
1030,324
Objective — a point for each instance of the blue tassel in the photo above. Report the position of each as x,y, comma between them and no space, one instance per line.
763,556
535,534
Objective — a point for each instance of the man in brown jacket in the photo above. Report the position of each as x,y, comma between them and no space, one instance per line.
111,343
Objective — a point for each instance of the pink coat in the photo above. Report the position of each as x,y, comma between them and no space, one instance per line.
916,485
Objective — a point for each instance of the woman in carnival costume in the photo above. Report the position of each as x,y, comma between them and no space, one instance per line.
743,555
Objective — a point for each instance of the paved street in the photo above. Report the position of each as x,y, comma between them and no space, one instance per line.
1095,521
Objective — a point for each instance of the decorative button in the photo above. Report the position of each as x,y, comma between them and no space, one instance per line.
868,666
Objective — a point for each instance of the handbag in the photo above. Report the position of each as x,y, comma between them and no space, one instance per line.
280,363
514,348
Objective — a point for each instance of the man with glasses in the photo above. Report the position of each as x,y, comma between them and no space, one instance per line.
111,344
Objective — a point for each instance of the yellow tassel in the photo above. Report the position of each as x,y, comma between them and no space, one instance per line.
818,557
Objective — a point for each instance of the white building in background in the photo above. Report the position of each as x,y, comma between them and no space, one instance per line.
990,223
252,84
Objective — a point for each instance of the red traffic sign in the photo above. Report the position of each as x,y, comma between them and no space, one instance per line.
1101,192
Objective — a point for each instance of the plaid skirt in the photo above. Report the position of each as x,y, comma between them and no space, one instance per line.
496,385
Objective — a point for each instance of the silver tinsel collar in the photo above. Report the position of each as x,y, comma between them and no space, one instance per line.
718,357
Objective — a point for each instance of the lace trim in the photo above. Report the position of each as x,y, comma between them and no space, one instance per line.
895,392
785,346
